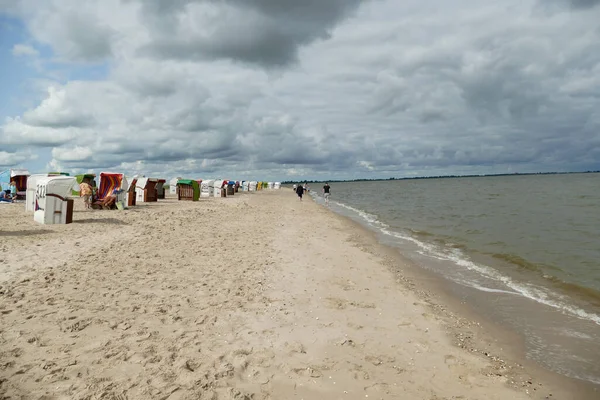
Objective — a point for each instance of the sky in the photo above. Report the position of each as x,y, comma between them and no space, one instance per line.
294,90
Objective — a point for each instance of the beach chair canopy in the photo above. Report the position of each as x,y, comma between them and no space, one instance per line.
32,180
19,172
191,182
19,176
142,183
132,184
109,182
57,186
31,190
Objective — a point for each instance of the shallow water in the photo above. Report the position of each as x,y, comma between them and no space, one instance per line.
526,250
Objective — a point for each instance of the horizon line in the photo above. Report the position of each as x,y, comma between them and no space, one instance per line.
441,177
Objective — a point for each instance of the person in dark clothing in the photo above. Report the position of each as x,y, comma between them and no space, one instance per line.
326,192
300,191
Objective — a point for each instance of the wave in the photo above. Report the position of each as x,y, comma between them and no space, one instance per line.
370,218
522,263
456,256
420,233
586,293
589,294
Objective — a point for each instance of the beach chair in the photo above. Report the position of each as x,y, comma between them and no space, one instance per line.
219,188
109,182
52,206
131,195
206,188
145,190
230,188
19,176
188,190
160,188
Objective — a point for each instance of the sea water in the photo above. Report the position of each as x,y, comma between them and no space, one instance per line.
525,249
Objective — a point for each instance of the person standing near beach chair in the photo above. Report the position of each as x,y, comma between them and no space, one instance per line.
326,192
85,191
13,190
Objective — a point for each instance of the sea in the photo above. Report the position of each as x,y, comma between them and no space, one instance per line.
523,250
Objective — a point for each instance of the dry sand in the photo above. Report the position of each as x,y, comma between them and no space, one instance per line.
258,296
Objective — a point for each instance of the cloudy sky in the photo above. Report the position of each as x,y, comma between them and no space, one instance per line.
286,89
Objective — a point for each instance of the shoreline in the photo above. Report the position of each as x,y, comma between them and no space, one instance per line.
502,345
256,296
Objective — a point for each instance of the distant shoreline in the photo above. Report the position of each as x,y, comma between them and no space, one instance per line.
438,177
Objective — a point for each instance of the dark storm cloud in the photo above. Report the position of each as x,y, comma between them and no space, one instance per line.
553,7
581,4
263,32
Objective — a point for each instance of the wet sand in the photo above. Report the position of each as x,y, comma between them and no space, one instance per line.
257,296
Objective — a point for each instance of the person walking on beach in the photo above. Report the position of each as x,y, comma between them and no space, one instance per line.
326,192
300,191
85,191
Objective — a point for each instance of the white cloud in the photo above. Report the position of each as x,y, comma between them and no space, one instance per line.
73,154
15,158
24,50
331,87
16,133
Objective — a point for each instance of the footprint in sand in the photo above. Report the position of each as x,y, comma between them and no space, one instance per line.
336,303
342,304
377,388
379,360
362,305
406,324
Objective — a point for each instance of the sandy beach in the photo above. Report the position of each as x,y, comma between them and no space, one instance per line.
256,296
